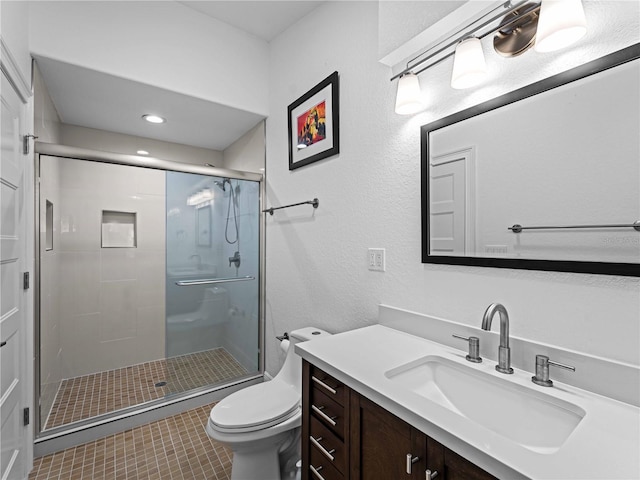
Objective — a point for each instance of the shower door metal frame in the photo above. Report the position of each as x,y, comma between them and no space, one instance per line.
75,433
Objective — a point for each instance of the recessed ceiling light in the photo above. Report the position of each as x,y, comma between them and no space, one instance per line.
153,118
142,152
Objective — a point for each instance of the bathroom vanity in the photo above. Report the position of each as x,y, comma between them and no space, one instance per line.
347,436
381,403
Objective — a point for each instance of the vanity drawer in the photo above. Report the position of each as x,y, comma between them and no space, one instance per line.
327,384
320,468
329,413
323,441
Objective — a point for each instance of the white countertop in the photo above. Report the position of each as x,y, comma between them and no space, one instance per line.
604,445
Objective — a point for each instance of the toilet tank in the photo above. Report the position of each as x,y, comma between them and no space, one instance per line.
291,371
306,334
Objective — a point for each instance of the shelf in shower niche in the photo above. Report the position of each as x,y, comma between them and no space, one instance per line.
119,229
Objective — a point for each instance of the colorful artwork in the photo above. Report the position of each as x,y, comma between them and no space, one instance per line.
311,126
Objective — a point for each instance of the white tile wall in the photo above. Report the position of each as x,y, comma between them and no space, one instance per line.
111,300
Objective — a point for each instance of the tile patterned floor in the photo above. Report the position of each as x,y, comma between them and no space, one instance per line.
175,448
90,395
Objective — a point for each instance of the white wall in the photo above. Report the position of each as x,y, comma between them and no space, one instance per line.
247,153
370,197
160,43
14,30
104,141
47,122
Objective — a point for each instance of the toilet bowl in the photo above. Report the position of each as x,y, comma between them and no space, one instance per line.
261,423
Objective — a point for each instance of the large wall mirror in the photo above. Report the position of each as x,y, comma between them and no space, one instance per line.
546,177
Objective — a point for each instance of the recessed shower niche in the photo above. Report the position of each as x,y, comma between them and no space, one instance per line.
118,229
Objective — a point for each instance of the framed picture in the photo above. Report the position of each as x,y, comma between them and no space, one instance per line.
314,124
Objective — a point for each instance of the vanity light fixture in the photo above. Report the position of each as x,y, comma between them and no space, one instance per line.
153,118
469,66
409,98
548,25
201,197
561,23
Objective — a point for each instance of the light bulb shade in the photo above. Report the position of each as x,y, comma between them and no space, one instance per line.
469,66
409,96
561,23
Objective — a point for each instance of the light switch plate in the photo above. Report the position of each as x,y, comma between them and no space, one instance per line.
376,260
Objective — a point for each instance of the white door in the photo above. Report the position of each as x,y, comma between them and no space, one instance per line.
14,317
447,208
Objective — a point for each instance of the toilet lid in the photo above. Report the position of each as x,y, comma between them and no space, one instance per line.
256,407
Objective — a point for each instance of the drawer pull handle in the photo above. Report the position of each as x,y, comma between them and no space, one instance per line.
324,385
325,452
316,471
429,475
410,461
324,416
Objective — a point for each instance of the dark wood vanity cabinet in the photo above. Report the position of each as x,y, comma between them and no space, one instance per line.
325,426
383,446
347,436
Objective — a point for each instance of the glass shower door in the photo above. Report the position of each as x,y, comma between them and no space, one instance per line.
212,280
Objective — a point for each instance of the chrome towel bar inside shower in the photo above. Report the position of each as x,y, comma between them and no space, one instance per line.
211,281
517,228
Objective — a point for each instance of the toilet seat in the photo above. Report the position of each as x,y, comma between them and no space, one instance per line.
255,408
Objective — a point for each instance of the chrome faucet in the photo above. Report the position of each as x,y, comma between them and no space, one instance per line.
504,352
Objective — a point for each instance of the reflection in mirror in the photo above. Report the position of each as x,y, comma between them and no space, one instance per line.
546,177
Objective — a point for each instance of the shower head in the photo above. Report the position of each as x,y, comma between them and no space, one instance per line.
221,184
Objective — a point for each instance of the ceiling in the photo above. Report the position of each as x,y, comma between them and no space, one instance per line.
264,19
114,104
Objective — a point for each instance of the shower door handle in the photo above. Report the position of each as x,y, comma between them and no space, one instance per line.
211,281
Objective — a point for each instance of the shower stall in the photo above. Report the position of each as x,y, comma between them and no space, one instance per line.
150,284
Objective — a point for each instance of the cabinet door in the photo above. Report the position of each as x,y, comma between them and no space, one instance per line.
451,466
381,442
459,468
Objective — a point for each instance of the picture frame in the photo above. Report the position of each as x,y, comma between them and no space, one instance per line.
314,124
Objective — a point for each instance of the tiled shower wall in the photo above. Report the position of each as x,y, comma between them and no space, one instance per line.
50,286
105,305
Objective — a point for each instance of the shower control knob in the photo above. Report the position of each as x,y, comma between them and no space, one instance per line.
235,259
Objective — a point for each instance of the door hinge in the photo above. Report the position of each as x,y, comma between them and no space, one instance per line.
25,143
25,281
25,416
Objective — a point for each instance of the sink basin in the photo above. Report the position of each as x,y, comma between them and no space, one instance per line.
534,420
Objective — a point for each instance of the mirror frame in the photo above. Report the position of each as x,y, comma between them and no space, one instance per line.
605,268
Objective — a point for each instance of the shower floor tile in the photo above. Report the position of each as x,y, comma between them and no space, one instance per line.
84,397
176,447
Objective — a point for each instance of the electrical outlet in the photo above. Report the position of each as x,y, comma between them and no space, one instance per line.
376,259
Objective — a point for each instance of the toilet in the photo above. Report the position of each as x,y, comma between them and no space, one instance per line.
212,310
261,423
